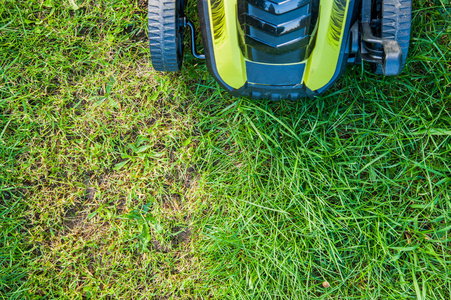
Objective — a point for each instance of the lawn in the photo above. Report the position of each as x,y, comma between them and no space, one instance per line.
119,182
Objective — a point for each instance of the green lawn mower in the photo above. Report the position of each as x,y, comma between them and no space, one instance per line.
283,49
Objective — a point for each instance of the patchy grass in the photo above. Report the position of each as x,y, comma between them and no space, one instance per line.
120,182
97,153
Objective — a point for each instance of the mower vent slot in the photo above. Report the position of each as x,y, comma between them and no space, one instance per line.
278,7
276,31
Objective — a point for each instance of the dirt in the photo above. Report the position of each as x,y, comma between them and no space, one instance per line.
172,202
142,4
182,235
136,34
159,247
150,121
190,177
74,215
4,196
76,104
172,157
90,193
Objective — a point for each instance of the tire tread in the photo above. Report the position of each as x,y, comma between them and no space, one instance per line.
396,24
162,35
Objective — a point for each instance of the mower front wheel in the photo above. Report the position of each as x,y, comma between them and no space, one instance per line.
166,26
396,22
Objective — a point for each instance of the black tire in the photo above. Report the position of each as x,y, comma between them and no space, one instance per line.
396,23
166,34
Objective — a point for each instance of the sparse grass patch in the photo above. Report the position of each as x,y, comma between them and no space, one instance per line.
97,151
120,182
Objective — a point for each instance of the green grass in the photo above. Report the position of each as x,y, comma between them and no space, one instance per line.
117,182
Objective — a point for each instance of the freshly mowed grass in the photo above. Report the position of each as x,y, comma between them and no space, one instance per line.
120,182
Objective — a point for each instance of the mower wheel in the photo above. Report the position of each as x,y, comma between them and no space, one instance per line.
396,23
166,25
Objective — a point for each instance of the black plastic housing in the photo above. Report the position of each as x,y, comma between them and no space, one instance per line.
275,36
277,32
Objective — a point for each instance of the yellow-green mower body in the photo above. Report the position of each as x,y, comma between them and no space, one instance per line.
288,49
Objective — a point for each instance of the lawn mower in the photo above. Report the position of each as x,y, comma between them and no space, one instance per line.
283,49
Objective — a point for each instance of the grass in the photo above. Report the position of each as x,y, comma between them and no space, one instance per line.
120,182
